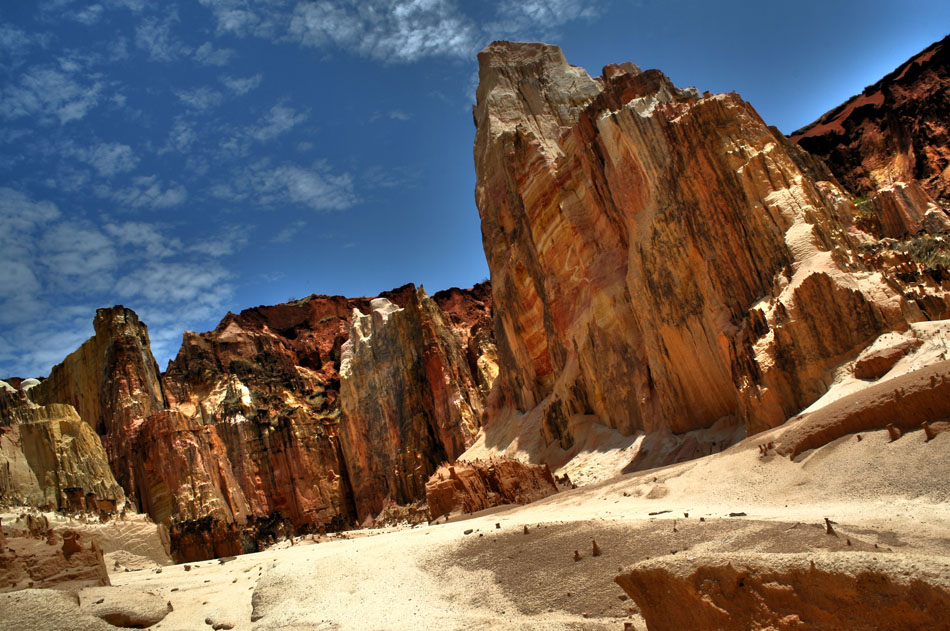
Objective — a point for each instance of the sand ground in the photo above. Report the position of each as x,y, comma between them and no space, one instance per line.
887,498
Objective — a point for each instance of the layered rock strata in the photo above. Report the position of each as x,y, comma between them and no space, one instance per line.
113,381
896,130
257,432
470,486
723,592
409,400
48,558
660,259
50,458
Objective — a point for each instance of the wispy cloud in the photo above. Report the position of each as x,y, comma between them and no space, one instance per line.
154,35
227,241
210,56
56,270
200,98
146,191
288,232
108,158
241,85
145,237
386,30
51,93
278,120
316,187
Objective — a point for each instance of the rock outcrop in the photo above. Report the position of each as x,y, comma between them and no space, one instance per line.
257,431
855,590
660,259
50,458
897,130
48,558
113,381
409,400
469,486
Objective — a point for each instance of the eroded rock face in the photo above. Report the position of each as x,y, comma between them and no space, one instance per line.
50,458
469,486
789,591
113,381
244,439
48,559
659,259
409,400
896,130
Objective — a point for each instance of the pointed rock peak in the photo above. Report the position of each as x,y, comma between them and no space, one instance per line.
612,71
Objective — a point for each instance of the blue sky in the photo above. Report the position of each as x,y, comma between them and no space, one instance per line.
194,157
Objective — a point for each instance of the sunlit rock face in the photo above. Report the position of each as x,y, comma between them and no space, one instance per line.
409,397
50,458
659,258
255,431
897,130
114,384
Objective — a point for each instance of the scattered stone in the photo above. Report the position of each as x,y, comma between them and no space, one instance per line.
596,549
828,529
497,526
737,514
659,512
187,567
526,530
577,557
124,606
468,532
928,431
894,432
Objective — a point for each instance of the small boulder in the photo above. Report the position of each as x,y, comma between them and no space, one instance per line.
123,606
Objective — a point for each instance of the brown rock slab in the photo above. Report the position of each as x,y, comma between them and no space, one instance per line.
854,590
124,606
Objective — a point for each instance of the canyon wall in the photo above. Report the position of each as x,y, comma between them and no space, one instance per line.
51,459
284,419
659,258
897,130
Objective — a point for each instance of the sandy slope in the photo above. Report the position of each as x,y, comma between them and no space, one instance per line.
889,499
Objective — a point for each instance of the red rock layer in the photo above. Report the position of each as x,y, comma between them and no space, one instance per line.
658,259
250,434
896,130
474,485
409,397
113,382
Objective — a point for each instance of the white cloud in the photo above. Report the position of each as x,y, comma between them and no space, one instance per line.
49,94
316,187
288,232
173,282
154,36
200,98
386,30
228,241
278,120
78,257
210,56
88,15
237,17
146,191
241,85
144,237
108,158
181,137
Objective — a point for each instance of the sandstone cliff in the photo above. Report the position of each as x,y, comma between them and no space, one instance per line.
660,259
256,431
894,131
112,380
50,458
